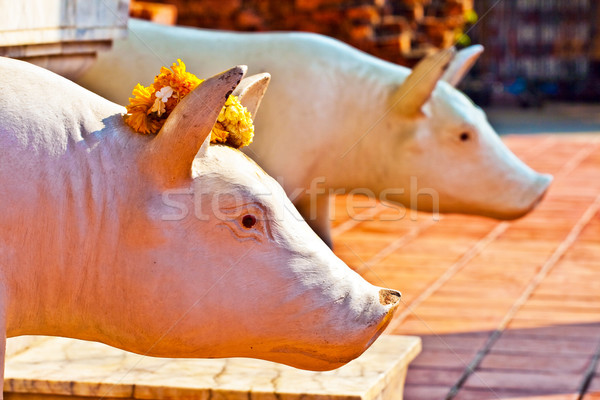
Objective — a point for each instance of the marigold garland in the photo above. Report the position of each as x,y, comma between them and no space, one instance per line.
150,106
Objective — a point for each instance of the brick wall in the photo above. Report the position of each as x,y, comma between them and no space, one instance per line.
401,31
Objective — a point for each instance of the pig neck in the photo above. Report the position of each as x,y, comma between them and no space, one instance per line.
362,142
66,245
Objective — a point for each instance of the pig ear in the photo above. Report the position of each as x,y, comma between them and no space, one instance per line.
172,151
251,91
419,85
462,64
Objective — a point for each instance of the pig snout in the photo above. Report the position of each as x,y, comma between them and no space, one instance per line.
360,327
543,182
390,299
531,197
345,316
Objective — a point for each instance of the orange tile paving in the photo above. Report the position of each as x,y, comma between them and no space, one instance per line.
506,310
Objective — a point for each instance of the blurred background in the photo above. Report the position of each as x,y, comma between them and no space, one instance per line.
540,71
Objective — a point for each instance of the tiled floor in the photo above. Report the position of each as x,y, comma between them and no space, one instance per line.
506,310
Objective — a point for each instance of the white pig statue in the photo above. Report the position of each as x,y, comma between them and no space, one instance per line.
161,244
339,119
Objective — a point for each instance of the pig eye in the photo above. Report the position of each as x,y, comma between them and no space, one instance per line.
248,221
464,136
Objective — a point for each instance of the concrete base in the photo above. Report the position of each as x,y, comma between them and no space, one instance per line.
52,368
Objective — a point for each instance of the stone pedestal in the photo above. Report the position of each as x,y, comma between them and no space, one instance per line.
51,368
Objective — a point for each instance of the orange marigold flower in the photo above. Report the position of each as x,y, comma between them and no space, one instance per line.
138,109
141,122
150,106
237,121
181,81
142,96
218,134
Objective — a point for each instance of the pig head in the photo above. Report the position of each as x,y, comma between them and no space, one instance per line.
444,150
162,245
338,120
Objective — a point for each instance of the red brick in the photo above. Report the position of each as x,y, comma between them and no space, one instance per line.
595,385
249,19
533,326
559,316
446,358
461,312
578,332
432,376
575,364
498,394
425,392
308,4
514,343
367,13
361,32
520,381
414,325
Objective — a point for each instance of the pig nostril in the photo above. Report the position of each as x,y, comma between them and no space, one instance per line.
388,296
248,221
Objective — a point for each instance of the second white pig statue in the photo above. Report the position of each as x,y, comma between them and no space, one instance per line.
337,119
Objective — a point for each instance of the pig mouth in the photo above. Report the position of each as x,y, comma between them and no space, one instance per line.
315,360
513,215
500,212
338,355
316,355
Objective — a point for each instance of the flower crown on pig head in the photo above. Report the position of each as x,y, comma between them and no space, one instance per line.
150,106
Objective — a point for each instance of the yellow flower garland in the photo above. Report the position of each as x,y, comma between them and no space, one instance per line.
150,106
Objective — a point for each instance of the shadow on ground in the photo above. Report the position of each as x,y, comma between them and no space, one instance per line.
550,362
